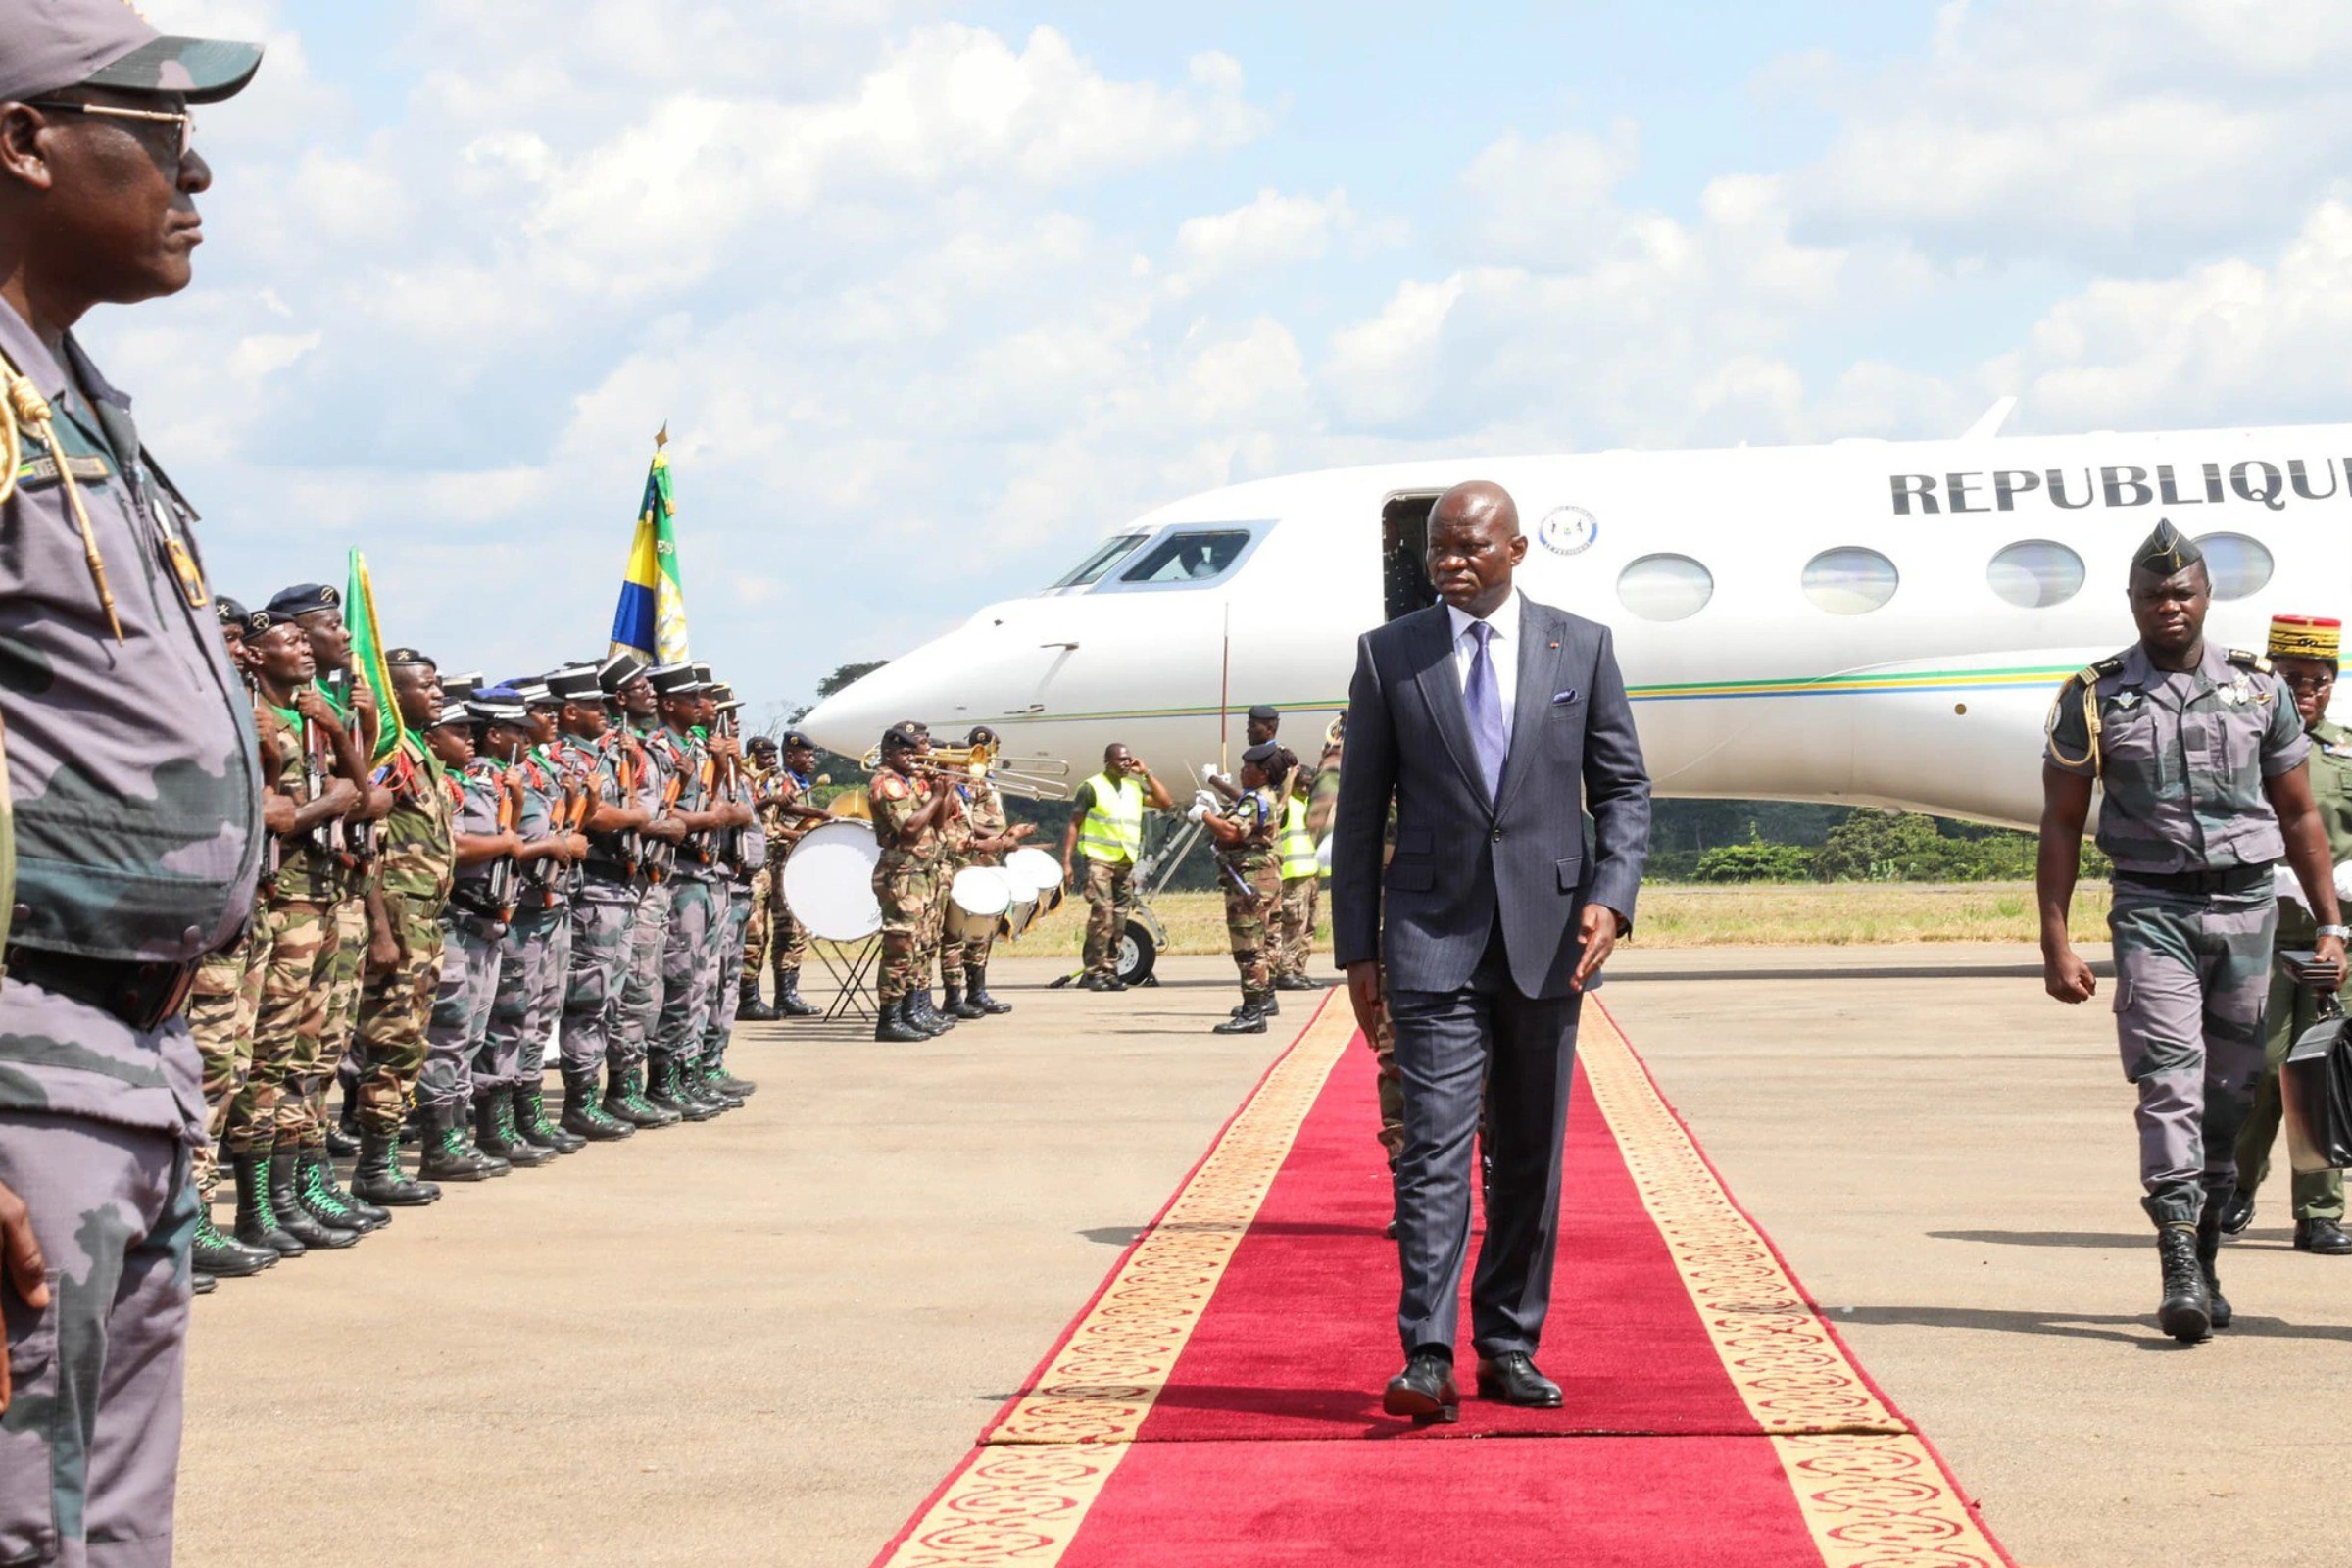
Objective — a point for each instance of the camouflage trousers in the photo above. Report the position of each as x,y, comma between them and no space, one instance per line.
89,1448
274,1107
1109,905
2191,980
689,966
2292,1008
1247,904
514,1042
395,1009
787,938
968,955
547,1007
338,1039
1297,942
470,947
903,887
754,931
601,920
221,1006
731,926
641,991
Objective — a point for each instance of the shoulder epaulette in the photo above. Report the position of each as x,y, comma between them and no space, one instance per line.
2247,659
890,787
2093,674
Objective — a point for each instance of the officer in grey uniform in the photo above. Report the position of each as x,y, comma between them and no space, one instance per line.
134,789
2203,762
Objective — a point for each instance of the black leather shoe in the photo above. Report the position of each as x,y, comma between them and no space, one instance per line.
1424,1391
1513,1380
2238,1213
2323,1236
2187,1311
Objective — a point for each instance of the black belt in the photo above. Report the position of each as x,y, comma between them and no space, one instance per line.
2225,880
144,996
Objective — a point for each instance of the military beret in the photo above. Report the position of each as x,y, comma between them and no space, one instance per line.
1262,755
794,741
982,735
575,683
913,726
498,705
410,655
232,613
2166,551
106,43
761,746
900,736
305,597
618,670
675,680
1263,714
259,621
458,687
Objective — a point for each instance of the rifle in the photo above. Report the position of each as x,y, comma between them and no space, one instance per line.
500,881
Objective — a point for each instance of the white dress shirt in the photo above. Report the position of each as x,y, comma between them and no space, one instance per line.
1502,649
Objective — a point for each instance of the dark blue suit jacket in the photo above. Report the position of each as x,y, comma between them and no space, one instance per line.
1460,857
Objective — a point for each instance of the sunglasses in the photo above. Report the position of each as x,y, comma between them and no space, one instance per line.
185,119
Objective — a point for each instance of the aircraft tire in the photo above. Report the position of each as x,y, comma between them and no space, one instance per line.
1139,949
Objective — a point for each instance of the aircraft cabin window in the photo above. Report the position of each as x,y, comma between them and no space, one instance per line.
2240,566
1665,587
1189,556
1107,555
1850,580
2035,574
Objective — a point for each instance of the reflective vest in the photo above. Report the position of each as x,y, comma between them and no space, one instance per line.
1113,830
1297,844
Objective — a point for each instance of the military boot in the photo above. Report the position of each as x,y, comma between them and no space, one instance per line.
584,1113
925,1014
665,1087
1248,1020
378,1178
749,1009
726,1083
343,1135
954,1006
625,1102
201,1284
532,1124
215,1253
789,1003
891,1026
285,1201
2209,1249
318,1172
2187,1311
704,1077
495,1132
448,1155
256,1221
975,990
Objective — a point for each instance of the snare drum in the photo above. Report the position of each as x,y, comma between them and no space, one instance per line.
1039,872
976,899
829,881
1019,916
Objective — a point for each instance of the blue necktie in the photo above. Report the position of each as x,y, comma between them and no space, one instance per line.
1484,701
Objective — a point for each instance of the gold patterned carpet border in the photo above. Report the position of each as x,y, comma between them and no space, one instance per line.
1010,1508
1102,1382
1787,1365
1881,1501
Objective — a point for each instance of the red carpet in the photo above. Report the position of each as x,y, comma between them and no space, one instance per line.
1711,1416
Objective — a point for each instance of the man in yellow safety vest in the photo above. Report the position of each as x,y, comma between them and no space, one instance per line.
1107,827
1301,881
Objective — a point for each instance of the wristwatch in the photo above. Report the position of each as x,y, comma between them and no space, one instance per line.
2341,933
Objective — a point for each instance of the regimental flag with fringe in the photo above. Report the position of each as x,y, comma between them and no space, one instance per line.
368,658
650,621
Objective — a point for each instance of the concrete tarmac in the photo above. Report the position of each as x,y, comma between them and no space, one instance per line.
766,1338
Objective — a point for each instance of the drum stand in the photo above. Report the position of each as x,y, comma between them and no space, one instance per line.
852,973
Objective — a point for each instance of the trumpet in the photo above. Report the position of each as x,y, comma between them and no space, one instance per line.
975,760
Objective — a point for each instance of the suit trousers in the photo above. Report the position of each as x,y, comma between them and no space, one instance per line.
1522,1051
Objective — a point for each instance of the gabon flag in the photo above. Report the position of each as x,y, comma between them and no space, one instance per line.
651,621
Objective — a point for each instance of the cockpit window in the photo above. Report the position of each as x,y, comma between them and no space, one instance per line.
1190,556
1108,553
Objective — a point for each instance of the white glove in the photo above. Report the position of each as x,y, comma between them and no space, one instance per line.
2290,888
1197,812
1208,773
1206,802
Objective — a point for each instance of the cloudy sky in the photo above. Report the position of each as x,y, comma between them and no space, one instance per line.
932,294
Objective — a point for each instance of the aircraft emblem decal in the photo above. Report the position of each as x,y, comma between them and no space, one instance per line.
1568,531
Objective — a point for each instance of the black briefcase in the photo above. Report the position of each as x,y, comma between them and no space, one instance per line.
2315,1088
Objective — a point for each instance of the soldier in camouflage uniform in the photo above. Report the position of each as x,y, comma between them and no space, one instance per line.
1249,868
274,1134
2193,848
611,771
641,991
134,798
418,862
908,822
473,922
743,856
506,1069
623,910
993,836
2304,654
791,815
689,951
761,776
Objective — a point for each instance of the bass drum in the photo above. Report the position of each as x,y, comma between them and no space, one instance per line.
1040,873
829,881
976,899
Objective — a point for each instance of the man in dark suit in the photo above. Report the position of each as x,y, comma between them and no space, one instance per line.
1494,724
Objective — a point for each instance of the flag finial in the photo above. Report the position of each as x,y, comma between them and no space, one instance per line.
661,436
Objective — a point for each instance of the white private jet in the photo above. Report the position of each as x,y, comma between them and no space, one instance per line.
1866,622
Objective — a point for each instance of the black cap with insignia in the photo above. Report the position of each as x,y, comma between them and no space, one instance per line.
901,737
2166,551
1262,755
232,613
618,670
794,741
410,656
302,598
1263,715
761,746
982,735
